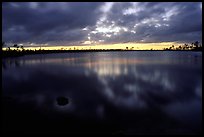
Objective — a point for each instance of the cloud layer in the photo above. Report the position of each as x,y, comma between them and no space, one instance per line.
66,23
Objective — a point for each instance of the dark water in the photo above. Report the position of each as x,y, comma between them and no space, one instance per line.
109,92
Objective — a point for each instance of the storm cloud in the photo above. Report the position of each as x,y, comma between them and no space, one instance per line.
74,23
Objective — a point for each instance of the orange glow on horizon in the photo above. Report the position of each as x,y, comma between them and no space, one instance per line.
131,46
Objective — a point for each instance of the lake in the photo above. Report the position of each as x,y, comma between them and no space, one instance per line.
123,92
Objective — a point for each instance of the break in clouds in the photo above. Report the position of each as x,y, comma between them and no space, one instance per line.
82,23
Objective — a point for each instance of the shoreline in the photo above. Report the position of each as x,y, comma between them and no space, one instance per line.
14,53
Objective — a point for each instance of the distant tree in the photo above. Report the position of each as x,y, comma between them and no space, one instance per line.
9,49
192,43
191,47
196,44
172,46
22,48
180,48
185,47
15,45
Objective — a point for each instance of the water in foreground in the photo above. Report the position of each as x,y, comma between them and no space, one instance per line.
131,92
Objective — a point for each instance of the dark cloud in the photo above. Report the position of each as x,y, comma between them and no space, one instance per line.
63,22
160,21
49,20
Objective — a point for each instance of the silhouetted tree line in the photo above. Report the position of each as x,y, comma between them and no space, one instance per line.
16,52
15,45
193,46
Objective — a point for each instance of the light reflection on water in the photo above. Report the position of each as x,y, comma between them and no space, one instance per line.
168,81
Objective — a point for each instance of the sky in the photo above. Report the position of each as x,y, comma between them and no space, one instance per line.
101,24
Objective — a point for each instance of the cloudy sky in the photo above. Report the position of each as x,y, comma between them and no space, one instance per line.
100,23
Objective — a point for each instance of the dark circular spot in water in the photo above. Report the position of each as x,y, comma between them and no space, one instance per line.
62,101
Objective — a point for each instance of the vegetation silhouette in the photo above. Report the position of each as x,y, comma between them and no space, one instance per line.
20,50
195,46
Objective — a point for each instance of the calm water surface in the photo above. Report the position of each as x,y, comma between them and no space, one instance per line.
134,89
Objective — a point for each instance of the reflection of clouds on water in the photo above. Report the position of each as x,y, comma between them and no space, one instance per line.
94,83
156,76
131,88
121,95
45,84
113,70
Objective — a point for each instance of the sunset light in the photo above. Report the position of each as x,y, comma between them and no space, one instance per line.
110,68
